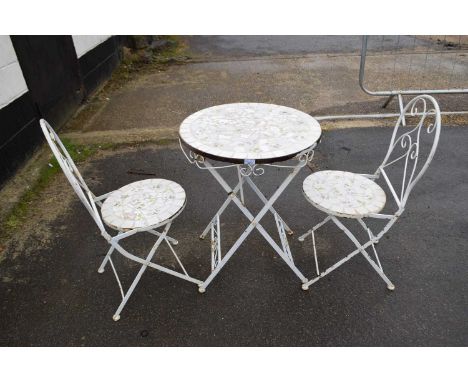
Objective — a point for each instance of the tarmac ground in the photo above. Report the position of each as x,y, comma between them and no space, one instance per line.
51,293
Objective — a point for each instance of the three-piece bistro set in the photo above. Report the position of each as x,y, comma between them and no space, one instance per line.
248,138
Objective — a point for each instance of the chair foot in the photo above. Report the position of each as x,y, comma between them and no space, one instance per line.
101,270
305,287
116,317
391,287
201,289
290,233
303,236
175,242
201,237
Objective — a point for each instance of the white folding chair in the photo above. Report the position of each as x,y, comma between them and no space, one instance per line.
356,196
141,206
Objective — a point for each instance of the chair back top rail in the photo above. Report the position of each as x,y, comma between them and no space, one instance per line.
71,173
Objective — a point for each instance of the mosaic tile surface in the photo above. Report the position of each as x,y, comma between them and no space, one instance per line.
142,204
344,193
250,131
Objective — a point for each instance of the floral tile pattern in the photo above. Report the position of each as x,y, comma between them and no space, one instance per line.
142,204
344,193
250,131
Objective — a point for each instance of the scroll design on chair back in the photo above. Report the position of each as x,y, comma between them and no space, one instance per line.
406,146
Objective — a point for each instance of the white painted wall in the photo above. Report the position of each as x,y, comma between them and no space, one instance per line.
12,83
84,44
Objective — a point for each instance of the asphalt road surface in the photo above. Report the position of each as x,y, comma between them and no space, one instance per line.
54,295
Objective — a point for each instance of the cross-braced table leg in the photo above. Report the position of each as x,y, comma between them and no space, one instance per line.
232,193
264,200
284,252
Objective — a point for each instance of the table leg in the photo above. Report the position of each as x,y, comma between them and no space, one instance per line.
239,176
231,194
264,200
239,187
254,223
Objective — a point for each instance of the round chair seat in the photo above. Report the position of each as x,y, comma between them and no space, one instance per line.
344,194
143,204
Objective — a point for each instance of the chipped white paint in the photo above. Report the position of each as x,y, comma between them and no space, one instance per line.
344,193
142,204
255,131
85,43
12,83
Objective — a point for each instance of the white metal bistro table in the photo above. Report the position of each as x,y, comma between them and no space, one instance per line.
249,136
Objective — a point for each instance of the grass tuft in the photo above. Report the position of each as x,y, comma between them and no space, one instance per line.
17,215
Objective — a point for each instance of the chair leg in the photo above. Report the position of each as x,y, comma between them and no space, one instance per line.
171,239
306,285
106,259
102,267
130,290
116,316
317,226
362,249
390,285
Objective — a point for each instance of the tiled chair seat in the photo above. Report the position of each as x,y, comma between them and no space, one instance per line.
344,194
143,204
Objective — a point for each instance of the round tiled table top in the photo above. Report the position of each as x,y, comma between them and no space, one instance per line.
238,132
142,204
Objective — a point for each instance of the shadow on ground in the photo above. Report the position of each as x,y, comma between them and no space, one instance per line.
55,296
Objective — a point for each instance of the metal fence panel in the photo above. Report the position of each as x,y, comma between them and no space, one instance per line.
414,65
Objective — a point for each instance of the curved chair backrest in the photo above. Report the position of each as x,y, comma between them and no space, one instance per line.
405,146
71,172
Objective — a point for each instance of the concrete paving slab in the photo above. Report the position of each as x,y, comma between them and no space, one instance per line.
51,293
315,74
319,85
